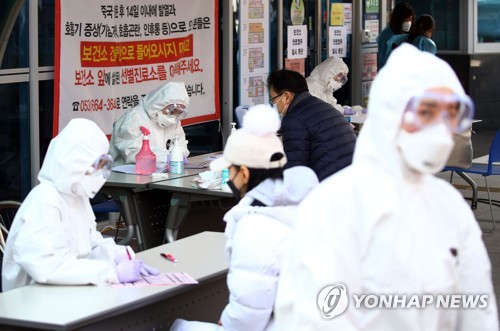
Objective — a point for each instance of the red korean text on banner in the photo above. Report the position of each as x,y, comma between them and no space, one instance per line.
108,56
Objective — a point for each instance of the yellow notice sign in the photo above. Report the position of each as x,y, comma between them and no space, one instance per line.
337,14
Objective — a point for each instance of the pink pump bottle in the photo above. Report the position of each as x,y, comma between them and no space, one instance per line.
145,160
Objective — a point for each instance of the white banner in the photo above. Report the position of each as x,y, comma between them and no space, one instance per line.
110,54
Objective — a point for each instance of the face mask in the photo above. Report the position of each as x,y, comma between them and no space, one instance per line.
283,113
166,120
427,150
234,189
90,185
333,85
406,26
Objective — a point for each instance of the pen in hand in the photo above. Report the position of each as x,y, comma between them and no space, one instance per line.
128,253
169,257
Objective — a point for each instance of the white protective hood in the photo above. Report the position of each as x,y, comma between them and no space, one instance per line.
318,80
71,153
127,138
390,92
170,93
377,229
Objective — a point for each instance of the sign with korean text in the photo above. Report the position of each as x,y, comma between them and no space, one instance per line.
297,41
337,41
110,54
253,51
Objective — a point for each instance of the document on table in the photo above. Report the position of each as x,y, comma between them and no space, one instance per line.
171,278
197,165
202,164
130,169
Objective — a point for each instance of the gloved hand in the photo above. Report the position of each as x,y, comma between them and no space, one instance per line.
128,271
132,269
349,111
147,270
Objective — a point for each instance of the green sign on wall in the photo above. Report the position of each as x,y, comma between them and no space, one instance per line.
371,6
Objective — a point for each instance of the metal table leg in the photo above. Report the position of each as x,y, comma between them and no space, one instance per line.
179,207
473,184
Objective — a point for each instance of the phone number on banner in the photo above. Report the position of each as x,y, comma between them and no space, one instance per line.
110,104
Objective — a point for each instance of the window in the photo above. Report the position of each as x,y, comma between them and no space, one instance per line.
486,26
488,21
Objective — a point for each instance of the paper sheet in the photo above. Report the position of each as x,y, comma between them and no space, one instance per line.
171,278
130,169
198,165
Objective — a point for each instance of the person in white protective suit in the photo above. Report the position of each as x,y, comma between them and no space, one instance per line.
53,238
160,111
258,227
326,78
386,226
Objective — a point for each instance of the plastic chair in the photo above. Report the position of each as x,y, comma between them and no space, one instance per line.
485,170
239,112
8,210
110,206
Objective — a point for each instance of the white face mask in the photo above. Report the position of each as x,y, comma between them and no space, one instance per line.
333,85
166,120
427,150
90,185
406,26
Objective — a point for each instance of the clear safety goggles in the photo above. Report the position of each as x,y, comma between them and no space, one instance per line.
341,77
101,166
431,108
175,109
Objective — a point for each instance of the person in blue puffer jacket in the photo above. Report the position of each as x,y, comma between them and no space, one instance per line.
314,134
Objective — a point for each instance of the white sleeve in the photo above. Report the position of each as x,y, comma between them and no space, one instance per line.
128,136
252,278
182,140
475,278
105,248
322,252
161,151
41,249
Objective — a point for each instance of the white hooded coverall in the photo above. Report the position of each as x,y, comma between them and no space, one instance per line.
317,82
126,140
53,238
379,229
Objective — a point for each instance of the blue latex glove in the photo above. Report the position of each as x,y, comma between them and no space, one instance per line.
128,271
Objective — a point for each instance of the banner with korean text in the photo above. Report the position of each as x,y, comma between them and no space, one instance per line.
109,54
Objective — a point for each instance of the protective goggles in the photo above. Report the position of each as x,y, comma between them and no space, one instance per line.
431,108
341,77
101,166
175,109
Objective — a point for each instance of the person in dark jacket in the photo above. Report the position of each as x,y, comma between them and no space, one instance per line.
314,133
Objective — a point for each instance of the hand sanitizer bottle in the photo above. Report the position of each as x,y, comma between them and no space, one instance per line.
233,127
176,158
145,160
223,179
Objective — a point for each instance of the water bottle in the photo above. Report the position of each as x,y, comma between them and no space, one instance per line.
176,158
